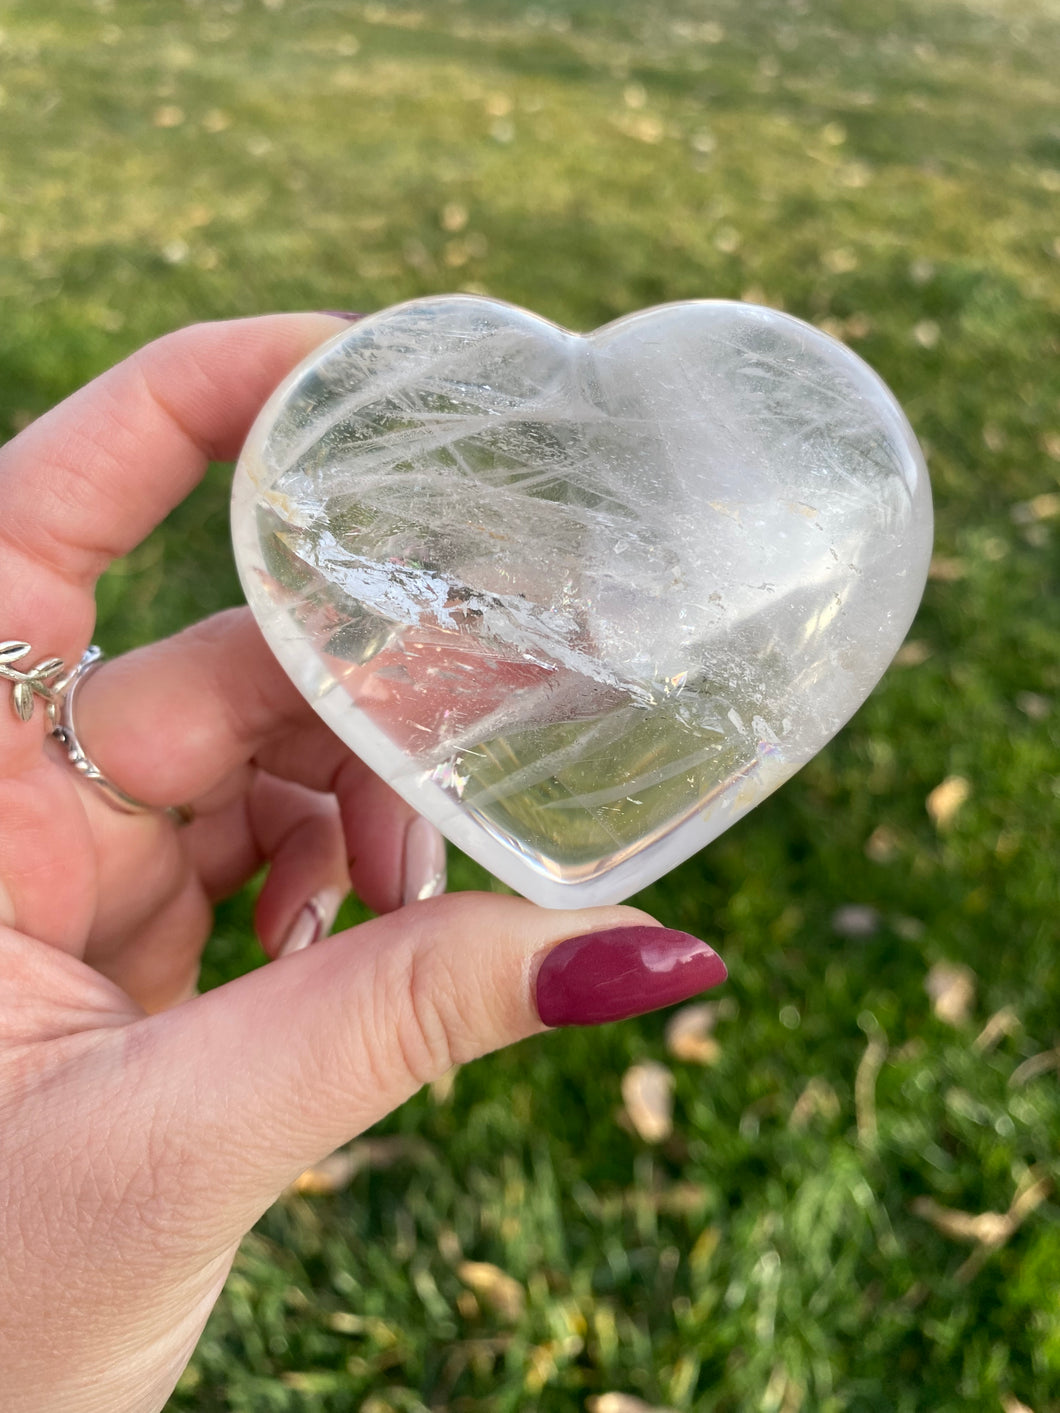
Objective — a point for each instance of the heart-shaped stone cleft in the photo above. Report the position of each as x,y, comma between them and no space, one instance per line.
583,601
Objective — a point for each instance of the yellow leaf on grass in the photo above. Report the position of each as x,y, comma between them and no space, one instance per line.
912,653
338,1169
688,1033
1035,1066
495,1287
817,1100
168,116
951,986
989,1228
946,800
1001,1023
648,1094
623,1403
946,569
1042,507
1011,1404
331,1174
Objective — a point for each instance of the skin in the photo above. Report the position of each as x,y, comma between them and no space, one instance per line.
143,1128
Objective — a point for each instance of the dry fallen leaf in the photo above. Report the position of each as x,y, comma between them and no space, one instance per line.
951,986
945,569
817,1100
989,1230
623,1403
449,1247
338,1169
1011,1404
865,1077
912,653
688,1033
1040,507
946,799
544,1360
497,1288
168,116
454,216
883,844
1034,705
683,1199
442,1088
1031,1193
331,1174
648,1094
1035,1066
1001,1023
644,127
855,920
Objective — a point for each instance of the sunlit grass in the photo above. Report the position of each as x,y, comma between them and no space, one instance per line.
889,171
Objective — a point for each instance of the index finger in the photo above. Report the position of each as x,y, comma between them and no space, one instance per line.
85,483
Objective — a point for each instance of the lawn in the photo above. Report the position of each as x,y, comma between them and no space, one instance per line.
883,1067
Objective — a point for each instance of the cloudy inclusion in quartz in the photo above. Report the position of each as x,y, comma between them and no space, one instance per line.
597,596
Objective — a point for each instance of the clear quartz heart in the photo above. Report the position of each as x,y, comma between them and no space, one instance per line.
583,601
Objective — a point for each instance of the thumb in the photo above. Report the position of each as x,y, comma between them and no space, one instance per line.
266,1075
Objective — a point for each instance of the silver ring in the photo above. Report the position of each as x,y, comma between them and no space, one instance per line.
61,699
31,683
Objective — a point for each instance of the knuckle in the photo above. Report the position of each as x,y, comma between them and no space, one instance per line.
432,1030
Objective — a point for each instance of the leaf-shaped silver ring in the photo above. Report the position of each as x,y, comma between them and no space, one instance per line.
31,683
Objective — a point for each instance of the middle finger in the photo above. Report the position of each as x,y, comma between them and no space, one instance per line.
182,720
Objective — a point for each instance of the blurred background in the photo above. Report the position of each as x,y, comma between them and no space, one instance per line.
835,1186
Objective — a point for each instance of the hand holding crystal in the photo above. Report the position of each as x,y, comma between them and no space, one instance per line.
143,1128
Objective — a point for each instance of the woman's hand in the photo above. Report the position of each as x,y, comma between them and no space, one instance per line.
143,1128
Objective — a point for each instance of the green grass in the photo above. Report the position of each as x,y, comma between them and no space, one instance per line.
889,170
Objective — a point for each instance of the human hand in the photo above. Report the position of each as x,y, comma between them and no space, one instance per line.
143,1129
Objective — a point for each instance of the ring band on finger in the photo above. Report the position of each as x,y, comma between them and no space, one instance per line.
59,693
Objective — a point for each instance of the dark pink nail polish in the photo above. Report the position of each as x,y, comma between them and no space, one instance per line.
342,314
607,976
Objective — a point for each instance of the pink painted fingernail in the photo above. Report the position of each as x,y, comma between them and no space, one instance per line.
626,971
424,874
314,921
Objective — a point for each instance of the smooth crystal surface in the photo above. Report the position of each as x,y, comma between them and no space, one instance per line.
583,601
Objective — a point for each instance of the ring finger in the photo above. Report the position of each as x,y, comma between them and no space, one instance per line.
218,702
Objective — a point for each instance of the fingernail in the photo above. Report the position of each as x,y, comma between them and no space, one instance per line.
342,314
314,921
608,976
424,868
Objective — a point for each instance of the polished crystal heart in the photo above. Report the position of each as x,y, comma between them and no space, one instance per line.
583,601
